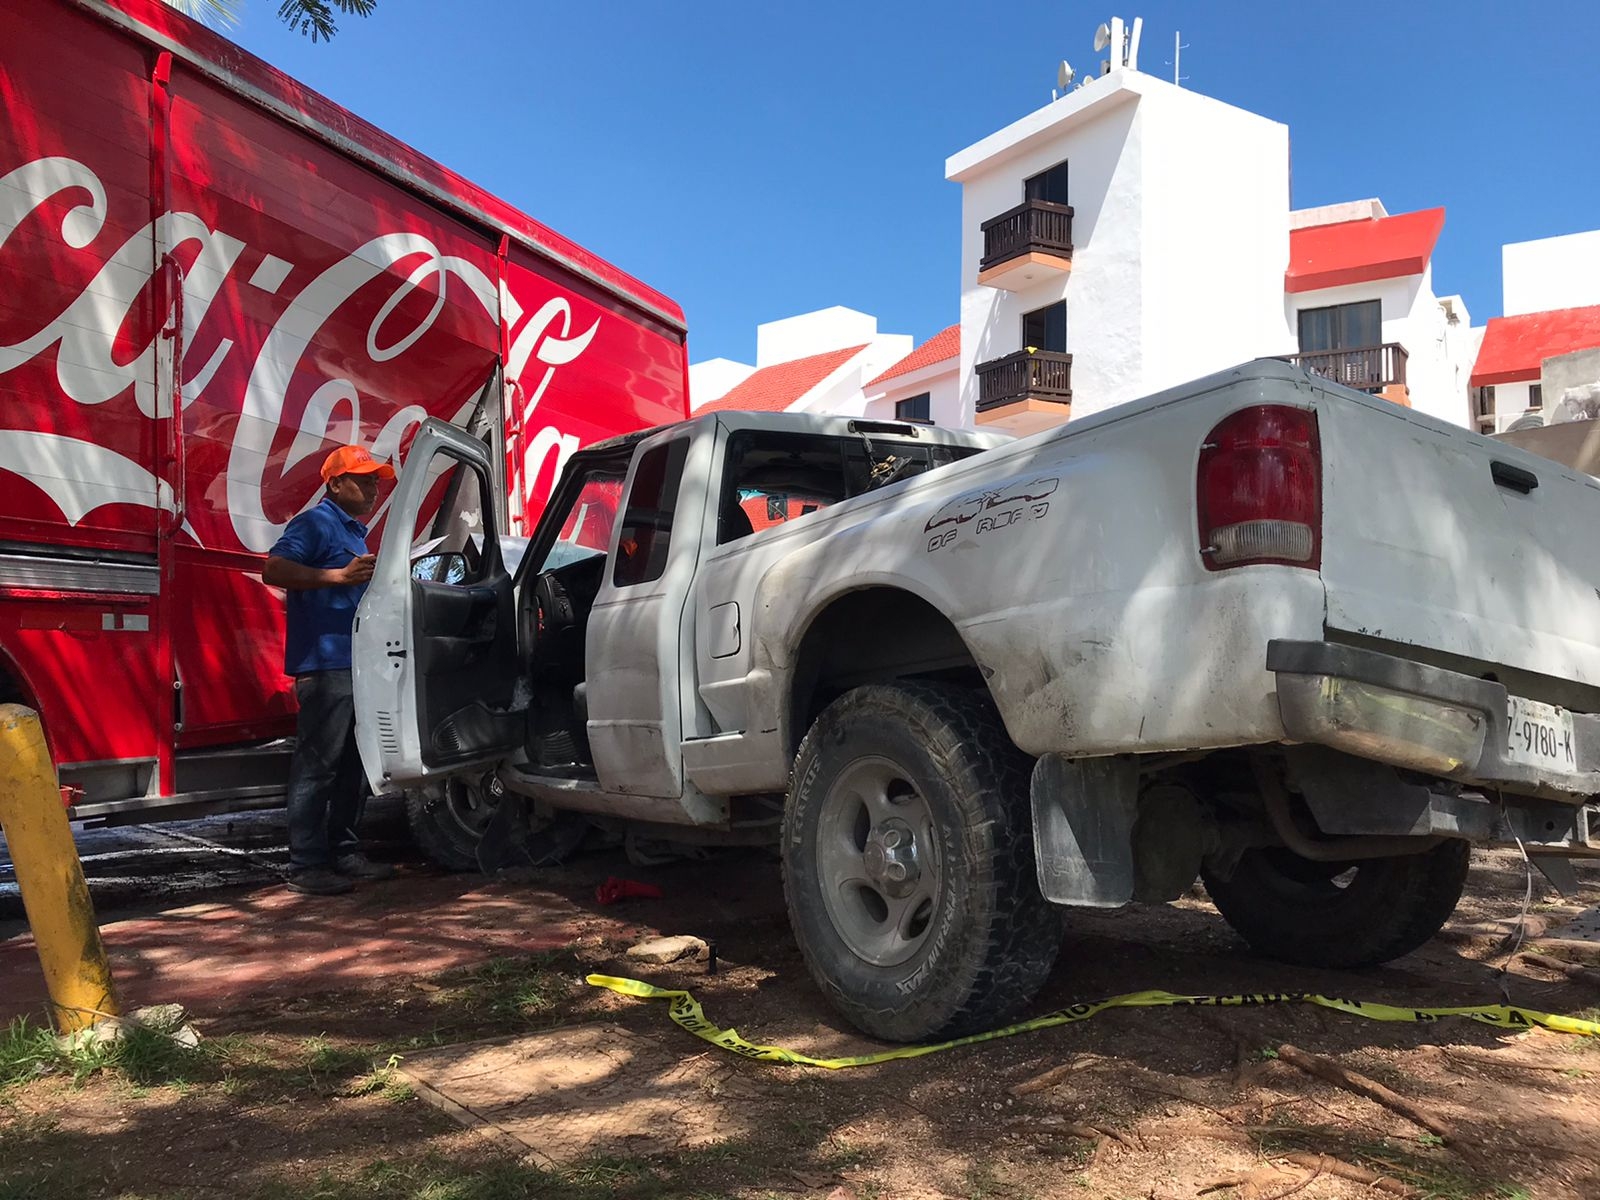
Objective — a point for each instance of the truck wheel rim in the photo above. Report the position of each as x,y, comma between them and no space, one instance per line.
467,807
878,862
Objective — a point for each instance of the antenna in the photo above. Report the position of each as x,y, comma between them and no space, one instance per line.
1102,36
1065,75
1178,47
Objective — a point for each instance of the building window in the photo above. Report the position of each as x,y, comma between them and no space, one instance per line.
916,408
1483,401
1341,327
1046,328
1536,395
1048,185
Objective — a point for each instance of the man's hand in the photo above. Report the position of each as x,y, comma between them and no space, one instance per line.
357,570
296,577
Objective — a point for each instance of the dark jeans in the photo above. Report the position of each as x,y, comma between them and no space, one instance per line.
326,792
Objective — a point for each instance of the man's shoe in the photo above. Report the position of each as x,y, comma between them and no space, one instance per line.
319,881
359,866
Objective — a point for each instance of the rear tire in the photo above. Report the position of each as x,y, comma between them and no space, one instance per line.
908,864
1353,914
449,825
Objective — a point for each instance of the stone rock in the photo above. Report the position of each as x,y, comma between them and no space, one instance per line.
669,949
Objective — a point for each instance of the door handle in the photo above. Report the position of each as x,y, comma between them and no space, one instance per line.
1509,475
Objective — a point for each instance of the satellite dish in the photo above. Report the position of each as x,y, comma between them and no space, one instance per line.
1065,75
1102,36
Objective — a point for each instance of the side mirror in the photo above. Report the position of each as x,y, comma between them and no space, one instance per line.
440,568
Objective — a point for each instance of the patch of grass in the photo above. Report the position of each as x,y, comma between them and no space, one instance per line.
384,1081
509,989
145,1055
324,1059
26,1051
1267,1053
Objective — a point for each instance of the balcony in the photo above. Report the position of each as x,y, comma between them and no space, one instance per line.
1379,370
1025,392
1026,244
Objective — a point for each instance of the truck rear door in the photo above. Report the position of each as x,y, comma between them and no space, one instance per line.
1437,537
435,656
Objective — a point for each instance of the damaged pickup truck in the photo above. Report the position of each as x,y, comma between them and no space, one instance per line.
1298,642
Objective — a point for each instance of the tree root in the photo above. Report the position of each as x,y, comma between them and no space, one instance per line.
1351,1081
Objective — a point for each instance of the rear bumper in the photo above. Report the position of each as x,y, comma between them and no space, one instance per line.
1408,714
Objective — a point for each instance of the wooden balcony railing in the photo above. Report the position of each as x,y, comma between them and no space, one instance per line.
1368,369
1033,225
1040,375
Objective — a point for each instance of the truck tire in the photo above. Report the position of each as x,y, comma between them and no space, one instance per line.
448,827
1353,914
908,864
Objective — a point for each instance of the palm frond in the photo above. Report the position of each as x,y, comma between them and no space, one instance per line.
314,18
222,14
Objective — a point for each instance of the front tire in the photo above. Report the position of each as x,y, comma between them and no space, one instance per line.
908,864
1354,914
449,825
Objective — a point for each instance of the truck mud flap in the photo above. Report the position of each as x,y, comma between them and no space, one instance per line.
1083,818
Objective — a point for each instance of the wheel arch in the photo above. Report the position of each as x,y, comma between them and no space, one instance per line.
872,634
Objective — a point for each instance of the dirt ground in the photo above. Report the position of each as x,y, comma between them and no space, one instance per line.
305,1097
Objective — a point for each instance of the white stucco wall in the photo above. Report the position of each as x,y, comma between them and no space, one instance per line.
1556,272
813,333
842,391
1216,237
942,382
1180,237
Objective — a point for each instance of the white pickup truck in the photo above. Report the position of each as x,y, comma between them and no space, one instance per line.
1298,642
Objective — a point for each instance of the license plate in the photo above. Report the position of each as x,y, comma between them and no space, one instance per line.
1540,735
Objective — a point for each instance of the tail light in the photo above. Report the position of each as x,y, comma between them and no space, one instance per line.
1259,489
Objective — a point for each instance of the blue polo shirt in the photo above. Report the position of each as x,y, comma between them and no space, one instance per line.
320,619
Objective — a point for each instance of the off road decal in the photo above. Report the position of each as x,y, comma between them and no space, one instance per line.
686,1011
987,511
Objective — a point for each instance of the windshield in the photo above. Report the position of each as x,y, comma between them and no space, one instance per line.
586,530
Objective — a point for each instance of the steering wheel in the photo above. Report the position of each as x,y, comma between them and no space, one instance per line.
551,610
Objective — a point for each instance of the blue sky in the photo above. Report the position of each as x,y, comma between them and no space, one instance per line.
757,160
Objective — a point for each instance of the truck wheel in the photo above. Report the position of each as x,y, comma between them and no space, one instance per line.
1351,914
448,825
908,864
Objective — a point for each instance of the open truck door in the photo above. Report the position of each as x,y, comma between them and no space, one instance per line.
435,651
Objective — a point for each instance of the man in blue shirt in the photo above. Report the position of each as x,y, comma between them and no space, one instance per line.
322,562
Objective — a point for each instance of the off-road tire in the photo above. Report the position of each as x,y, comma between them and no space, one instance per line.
1287,907
450,842
991,937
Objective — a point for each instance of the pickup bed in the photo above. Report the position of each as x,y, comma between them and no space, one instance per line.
1261,630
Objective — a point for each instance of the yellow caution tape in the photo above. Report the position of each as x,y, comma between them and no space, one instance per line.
686,1011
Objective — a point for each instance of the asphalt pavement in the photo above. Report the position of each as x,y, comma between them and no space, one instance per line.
131,865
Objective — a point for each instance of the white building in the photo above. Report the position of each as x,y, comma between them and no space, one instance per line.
1133,235
815,362
1532,357
1550,273
925,385
1360,303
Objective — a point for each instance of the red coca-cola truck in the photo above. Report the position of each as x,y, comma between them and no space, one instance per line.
211,276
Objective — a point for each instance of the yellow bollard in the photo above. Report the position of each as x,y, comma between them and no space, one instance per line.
50,877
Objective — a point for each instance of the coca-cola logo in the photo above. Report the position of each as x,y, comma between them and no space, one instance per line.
92,368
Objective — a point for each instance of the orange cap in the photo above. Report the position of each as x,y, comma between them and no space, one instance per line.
354,460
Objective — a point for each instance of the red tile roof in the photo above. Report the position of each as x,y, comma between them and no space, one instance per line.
775,388
1515,347
945,344
1325,256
